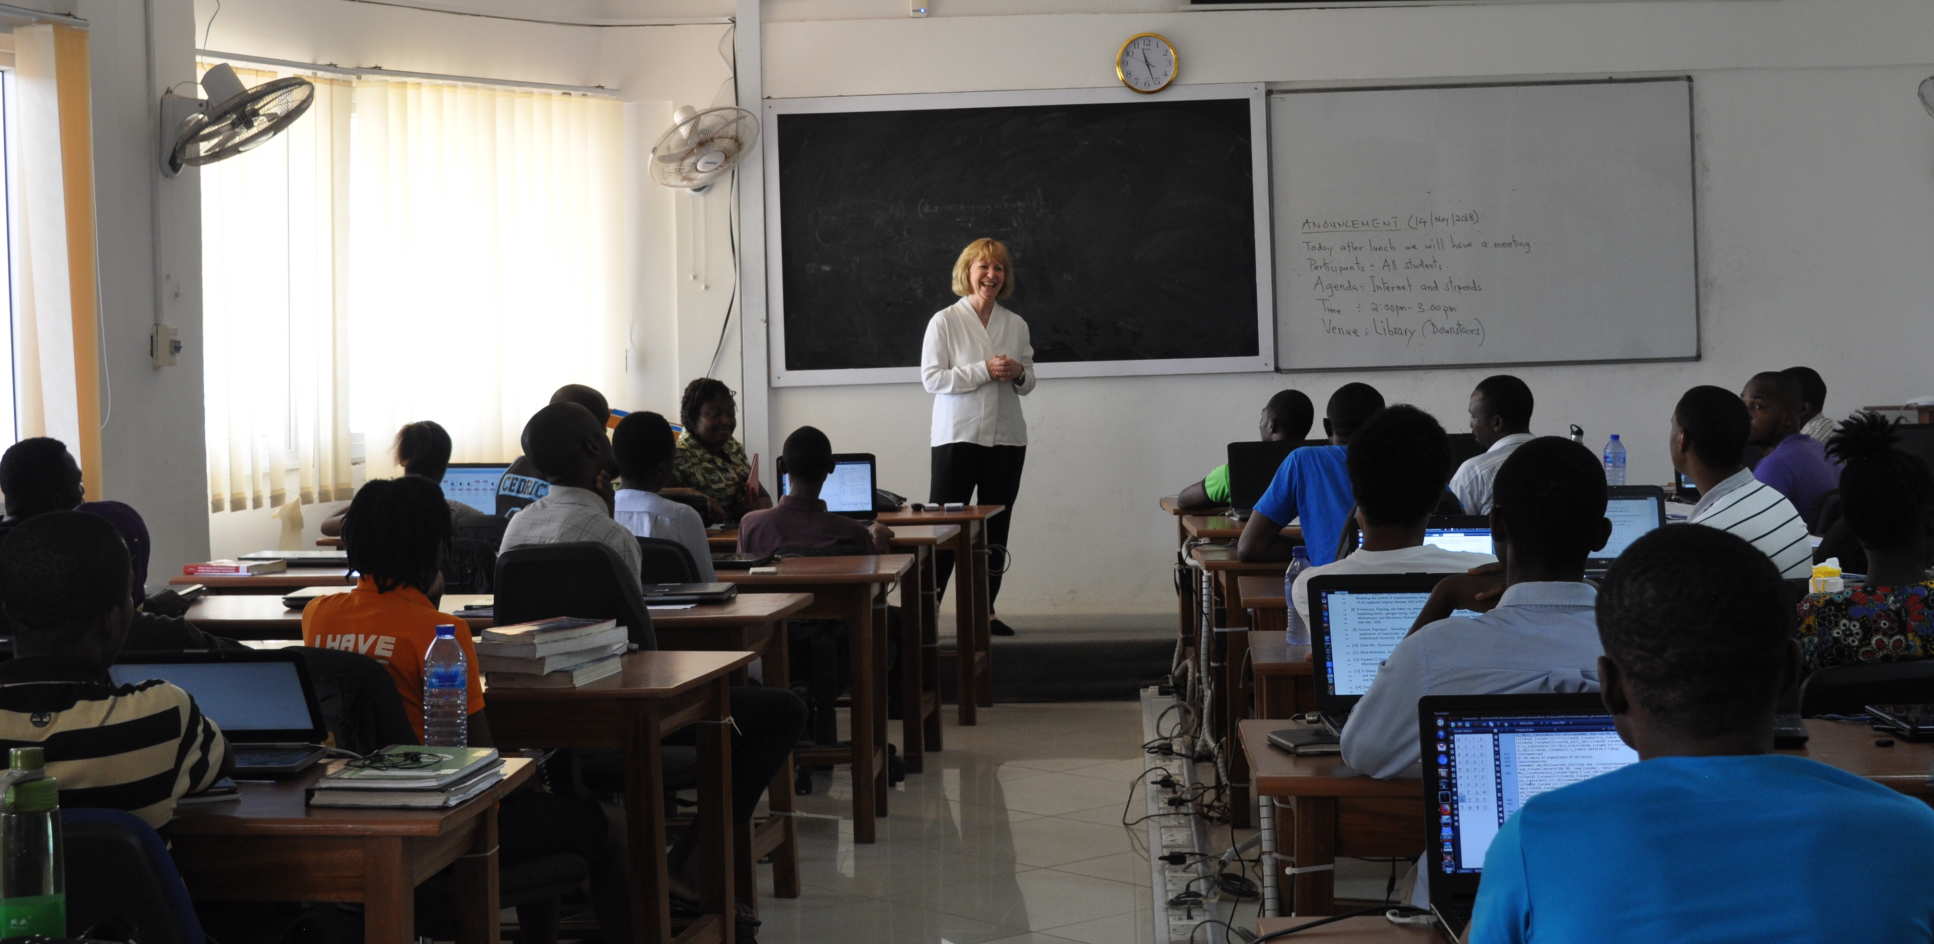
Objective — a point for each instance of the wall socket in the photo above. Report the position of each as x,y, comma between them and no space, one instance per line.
164,345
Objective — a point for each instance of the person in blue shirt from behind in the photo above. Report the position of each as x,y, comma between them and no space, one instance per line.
1312,484
1711,837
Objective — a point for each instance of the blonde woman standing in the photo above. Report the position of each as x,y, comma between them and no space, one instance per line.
978,361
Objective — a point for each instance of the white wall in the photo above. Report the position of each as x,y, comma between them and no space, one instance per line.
1817,208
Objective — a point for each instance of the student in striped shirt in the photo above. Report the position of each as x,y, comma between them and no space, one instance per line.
1710,427
64,581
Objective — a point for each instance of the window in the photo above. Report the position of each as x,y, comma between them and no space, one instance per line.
405,251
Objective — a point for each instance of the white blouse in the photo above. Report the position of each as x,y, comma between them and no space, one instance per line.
968,404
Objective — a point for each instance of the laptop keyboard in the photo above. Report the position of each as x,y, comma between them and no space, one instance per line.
271,756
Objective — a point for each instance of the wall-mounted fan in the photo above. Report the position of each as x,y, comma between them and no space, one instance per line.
702,146
232,119
1927,94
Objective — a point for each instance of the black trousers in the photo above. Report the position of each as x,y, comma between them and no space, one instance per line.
959,469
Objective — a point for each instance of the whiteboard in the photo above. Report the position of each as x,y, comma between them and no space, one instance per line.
1497,224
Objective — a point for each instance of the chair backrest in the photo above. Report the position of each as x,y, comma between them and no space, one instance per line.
665,561
583,578
120,877
359,700
470,561
1846,689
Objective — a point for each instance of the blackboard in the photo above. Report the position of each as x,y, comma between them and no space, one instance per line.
1138,228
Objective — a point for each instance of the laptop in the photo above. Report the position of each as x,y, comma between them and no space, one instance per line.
1466,533
304,557
733,560
262,700
1252,466
679,594
1634,511
1484,756
474,484
1355,622
848,490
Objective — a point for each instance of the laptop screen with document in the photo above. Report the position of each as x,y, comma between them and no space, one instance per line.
849,488
474,484
1634,510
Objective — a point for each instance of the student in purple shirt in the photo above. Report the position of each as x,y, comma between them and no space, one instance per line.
800,522
1796,465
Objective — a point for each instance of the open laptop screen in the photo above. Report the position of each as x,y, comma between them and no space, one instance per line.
1487,758
251,700
1634,511
1470,540
848,490
1360,628
474,484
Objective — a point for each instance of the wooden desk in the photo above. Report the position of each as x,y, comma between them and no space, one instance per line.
245,616
1211,527
295,578
1262,597
329,542
1185,596
1336,812
1849,745
1364,930
846,588
1284,678
1226,639
269,845
974,609
657,694
920,701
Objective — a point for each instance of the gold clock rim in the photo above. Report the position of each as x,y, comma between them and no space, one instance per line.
1173,55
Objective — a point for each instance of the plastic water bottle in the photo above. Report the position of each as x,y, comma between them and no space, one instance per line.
33,896
446,692
1297,634
1614,462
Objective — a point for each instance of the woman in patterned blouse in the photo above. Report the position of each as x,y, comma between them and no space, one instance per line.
1888,501
709,461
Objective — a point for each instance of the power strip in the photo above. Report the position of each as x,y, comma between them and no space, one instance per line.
1184,892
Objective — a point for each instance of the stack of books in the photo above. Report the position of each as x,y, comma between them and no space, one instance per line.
232,567
410,777
560,652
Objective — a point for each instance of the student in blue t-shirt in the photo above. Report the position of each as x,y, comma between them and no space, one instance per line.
1313,484
1710,837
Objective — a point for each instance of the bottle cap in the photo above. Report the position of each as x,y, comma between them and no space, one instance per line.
1614,437
28,788
445,630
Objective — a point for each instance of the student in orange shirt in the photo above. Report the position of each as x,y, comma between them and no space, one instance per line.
392,531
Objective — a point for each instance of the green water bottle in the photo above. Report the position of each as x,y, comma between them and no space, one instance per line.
33,885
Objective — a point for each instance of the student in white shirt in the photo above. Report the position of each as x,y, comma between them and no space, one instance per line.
1539,634
646,448
569,448
978,362
1710,427
1500,410
1398,463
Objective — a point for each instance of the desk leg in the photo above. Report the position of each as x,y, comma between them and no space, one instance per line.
929,655
1235,699
867,685
966,648
651,914
389,894
779,798
716,840
880,726
912,630
983,558
474,891
1313,844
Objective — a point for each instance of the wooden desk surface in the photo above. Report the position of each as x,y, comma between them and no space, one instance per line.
1170,504
1211,527
1216,558
906,535
906,515
744,609
646,675
293,578
1271,655
1364,930
1262,592
1282,774
280,808
1849,745
793,571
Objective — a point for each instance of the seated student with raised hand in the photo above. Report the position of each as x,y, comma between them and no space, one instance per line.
1887,498
1398,464
64,579
712,464
566,444
1710,428
523,483
1813,402
1500,411
1313,485
1538,636
1711,836
1796,464
644,445
800,522
423,449
1287,417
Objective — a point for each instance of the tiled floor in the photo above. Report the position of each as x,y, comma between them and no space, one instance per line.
1011,836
